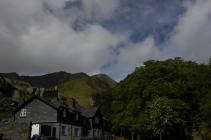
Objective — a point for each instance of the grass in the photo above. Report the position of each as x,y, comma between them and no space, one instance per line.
4,115
78,89
196,136
18,84
5,107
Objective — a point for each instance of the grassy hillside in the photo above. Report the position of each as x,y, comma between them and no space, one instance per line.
12,92
83,89
51,79
18,83
78,89
108,82
6,107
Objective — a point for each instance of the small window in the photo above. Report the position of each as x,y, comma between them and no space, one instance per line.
76,132
76,116
89,133
64,113
97,120
64,132
46,130
95,132
69,131
23,113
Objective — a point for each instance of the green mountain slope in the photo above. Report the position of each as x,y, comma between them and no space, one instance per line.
78,89
51,79
83,88
12,93
79,86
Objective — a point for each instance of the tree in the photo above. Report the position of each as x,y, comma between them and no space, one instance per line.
166,113
162,97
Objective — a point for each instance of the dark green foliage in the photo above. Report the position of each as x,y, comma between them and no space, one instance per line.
103,100
162,99
166,115
5,87
205,110
6,107
5,103
11,96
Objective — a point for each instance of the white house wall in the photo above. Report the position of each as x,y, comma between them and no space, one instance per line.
35,129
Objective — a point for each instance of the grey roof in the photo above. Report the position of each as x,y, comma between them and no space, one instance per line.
65,102
89,112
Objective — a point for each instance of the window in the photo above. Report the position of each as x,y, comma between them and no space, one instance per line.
95,132
76,116
64,132
69,131
76,132
64,113
89,133
46,130
97,120
23,113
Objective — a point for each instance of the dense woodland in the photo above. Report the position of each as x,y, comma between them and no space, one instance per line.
166,100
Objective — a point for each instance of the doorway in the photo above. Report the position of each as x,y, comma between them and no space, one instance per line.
54,132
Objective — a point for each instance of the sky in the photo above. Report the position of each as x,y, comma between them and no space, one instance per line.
101,36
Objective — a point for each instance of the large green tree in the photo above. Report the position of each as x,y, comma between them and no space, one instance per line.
178,89
165,114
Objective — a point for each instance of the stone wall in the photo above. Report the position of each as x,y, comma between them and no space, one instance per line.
15,131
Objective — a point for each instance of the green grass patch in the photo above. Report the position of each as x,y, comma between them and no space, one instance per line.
78,89
4,115
18,84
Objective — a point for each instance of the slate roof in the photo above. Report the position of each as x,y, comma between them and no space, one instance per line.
64,102
89,112
56,103
39,98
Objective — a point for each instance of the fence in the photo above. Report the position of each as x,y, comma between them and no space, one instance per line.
108,137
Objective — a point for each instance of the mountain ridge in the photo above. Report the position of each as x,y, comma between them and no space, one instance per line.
80,86
46,80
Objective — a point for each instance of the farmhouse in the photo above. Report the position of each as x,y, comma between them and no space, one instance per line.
57,118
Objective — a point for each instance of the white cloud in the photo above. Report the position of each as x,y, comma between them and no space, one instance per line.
55,4
100,9
132,56
135,54
192,37
60,47
191,40
34,41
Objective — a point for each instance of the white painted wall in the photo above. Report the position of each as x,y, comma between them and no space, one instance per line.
35,129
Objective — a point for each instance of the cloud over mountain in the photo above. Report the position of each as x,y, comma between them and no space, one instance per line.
93,36
35,40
